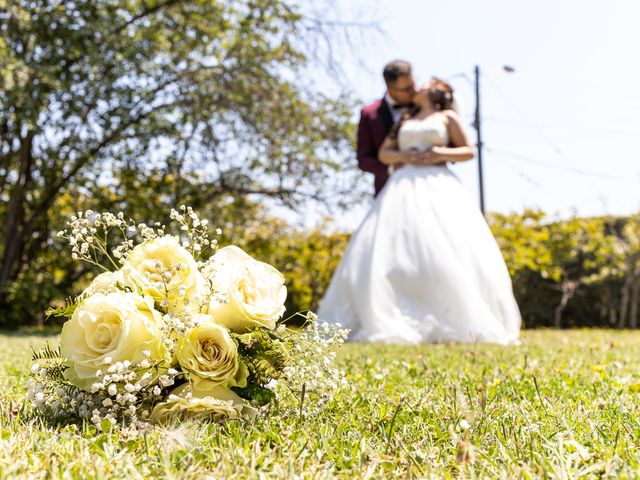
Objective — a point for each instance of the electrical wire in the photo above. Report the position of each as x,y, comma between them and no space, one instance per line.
578,171
555,148
568,127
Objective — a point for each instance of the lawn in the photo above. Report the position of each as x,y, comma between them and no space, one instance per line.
560,405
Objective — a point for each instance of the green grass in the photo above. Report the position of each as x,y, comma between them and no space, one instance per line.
561,405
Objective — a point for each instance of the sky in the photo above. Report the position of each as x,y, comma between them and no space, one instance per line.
560,133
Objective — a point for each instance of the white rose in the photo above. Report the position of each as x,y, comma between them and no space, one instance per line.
190,403
209,354
104,283
255,291
147,264
118,326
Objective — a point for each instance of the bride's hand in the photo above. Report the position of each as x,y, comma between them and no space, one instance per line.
429,157
412,157
419,157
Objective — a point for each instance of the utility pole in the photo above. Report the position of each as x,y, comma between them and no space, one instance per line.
477,126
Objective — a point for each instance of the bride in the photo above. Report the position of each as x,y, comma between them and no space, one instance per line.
423,266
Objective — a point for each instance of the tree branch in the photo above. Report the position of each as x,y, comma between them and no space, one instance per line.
145,13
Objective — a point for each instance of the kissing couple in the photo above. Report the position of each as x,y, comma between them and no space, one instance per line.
423,267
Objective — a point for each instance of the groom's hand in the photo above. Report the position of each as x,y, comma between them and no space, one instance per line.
414,157
428,158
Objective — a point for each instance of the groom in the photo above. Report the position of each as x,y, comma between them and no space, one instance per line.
377,119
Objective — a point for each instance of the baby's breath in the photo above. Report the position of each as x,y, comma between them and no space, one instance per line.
311,368
195,230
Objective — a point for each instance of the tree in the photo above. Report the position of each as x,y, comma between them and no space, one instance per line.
581,250
202,96
568,255
522,240
629,249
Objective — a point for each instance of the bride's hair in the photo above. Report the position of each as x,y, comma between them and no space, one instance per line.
440,94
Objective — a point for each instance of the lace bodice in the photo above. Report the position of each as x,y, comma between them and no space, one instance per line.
422,133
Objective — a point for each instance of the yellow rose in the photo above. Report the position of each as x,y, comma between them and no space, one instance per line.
255,291
147,264
210,355
211,403
104,283
106,329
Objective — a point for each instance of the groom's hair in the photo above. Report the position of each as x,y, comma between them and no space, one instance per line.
395,69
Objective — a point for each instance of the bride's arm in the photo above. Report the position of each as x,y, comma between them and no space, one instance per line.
390,155
460,149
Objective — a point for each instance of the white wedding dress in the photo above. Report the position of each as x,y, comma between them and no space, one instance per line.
423,266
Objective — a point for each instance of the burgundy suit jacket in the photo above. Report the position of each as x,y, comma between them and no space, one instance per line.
375,123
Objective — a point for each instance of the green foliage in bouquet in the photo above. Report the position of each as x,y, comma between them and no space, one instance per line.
264,353
260,395
64,311
51,365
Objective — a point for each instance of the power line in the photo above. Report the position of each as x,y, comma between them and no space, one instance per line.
591,198
572,167
568,127
555,148
532,181
537,127
575,170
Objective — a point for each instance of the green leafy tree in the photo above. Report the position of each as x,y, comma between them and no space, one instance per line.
143,104
522,240
524,243
567,255
581,251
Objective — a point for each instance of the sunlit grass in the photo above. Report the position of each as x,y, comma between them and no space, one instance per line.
561,405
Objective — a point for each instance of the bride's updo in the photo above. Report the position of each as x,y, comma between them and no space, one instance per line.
440,94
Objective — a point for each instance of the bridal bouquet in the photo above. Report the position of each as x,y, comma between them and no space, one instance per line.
167,333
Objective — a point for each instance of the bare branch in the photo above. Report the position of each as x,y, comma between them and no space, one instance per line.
145,13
